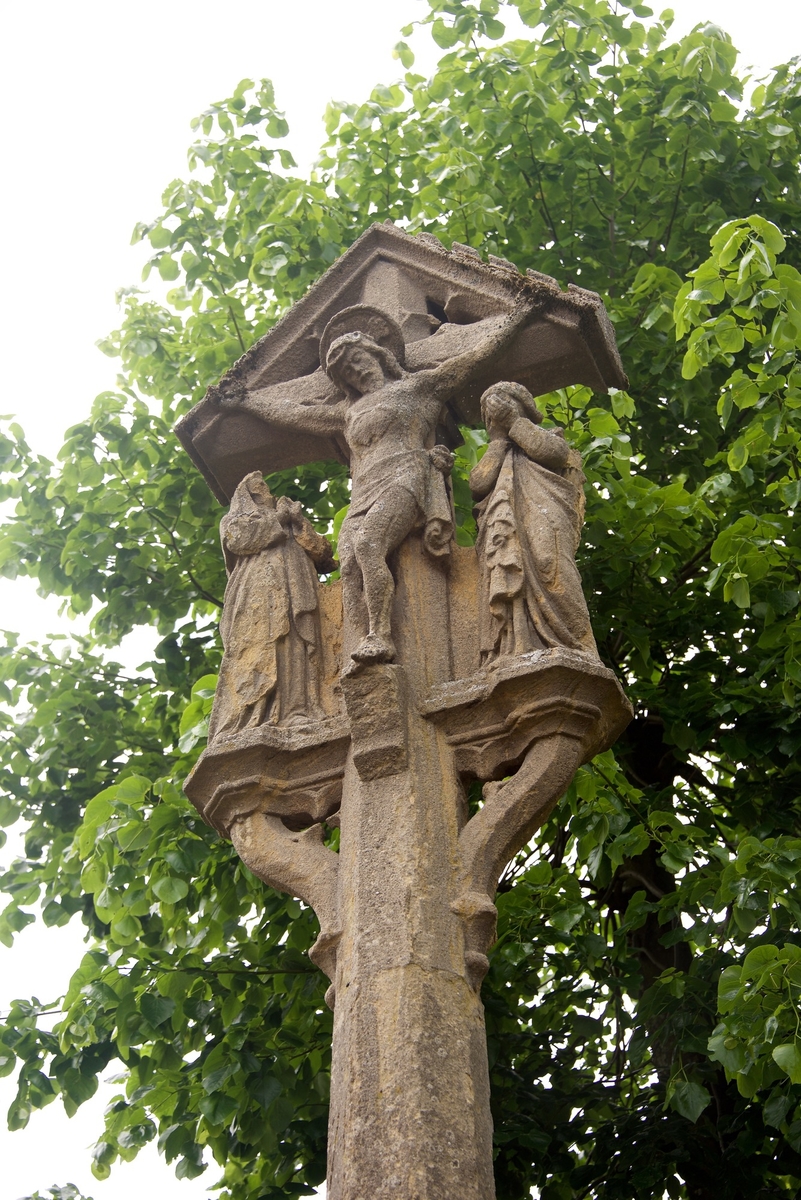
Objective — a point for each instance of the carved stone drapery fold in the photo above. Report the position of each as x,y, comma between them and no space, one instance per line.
272,666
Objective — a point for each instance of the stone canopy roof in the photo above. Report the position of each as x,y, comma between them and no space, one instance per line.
439,298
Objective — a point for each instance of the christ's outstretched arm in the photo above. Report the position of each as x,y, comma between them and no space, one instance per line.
321,418
436,385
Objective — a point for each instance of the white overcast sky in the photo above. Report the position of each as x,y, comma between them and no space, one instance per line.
97,97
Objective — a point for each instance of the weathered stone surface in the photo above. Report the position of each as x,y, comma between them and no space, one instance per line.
291,773
374,704
491,716
296,862
389,421
409,1071
530,491
272,662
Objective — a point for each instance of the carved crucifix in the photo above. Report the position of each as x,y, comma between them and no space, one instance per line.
374,702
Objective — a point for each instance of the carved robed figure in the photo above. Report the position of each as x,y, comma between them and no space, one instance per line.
529,485
270,627
373,702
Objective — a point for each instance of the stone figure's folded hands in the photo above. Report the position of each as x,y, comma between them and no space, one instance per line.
441,458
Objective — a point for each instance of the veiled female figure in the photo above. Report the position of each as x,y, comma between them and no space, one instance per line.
270,624
529,485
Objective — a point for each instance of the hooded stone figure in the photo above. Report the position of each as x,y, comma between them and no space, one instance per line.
270,625
529,485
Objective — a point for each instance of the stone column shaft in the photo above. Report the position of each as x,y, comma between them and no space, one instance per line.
410,1116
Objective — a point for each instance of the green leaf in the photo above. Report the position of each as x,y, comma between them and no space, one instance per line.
776,1108
171,889
191,1165
744,392
689,1099
125,927
213,1080
160,237
770,234
205,687
757,959
602,424
788,1057
218,1108
738,590
156,1009
728,1052
791,493
266,1090
737,456
281,1113
729,986
492,28
132,789
730,338
404,53
690,365
565,919
168,267
444,35
76,1089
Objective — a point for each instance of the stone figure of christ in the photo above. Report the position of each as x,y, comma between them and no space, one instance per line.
389,418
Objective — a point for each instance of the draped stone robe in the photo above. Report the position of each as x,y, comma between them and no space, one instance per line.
270,626
529,530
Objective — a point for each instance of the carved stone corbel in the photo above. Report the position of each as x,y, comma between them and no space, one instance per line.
523,728
297,863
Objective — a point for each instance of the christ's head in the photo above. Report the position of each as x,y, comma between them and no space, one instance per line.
358,365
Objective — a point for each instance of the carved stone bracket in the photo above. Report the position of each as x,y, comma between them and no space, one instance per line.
298,863
492,716
535,718
291,772
269,790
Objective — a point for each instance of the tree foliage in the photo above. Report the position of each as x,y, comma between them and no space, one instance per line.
644,998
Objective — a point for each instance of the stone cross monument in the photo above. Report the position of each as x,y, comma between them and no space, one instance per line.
373,702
